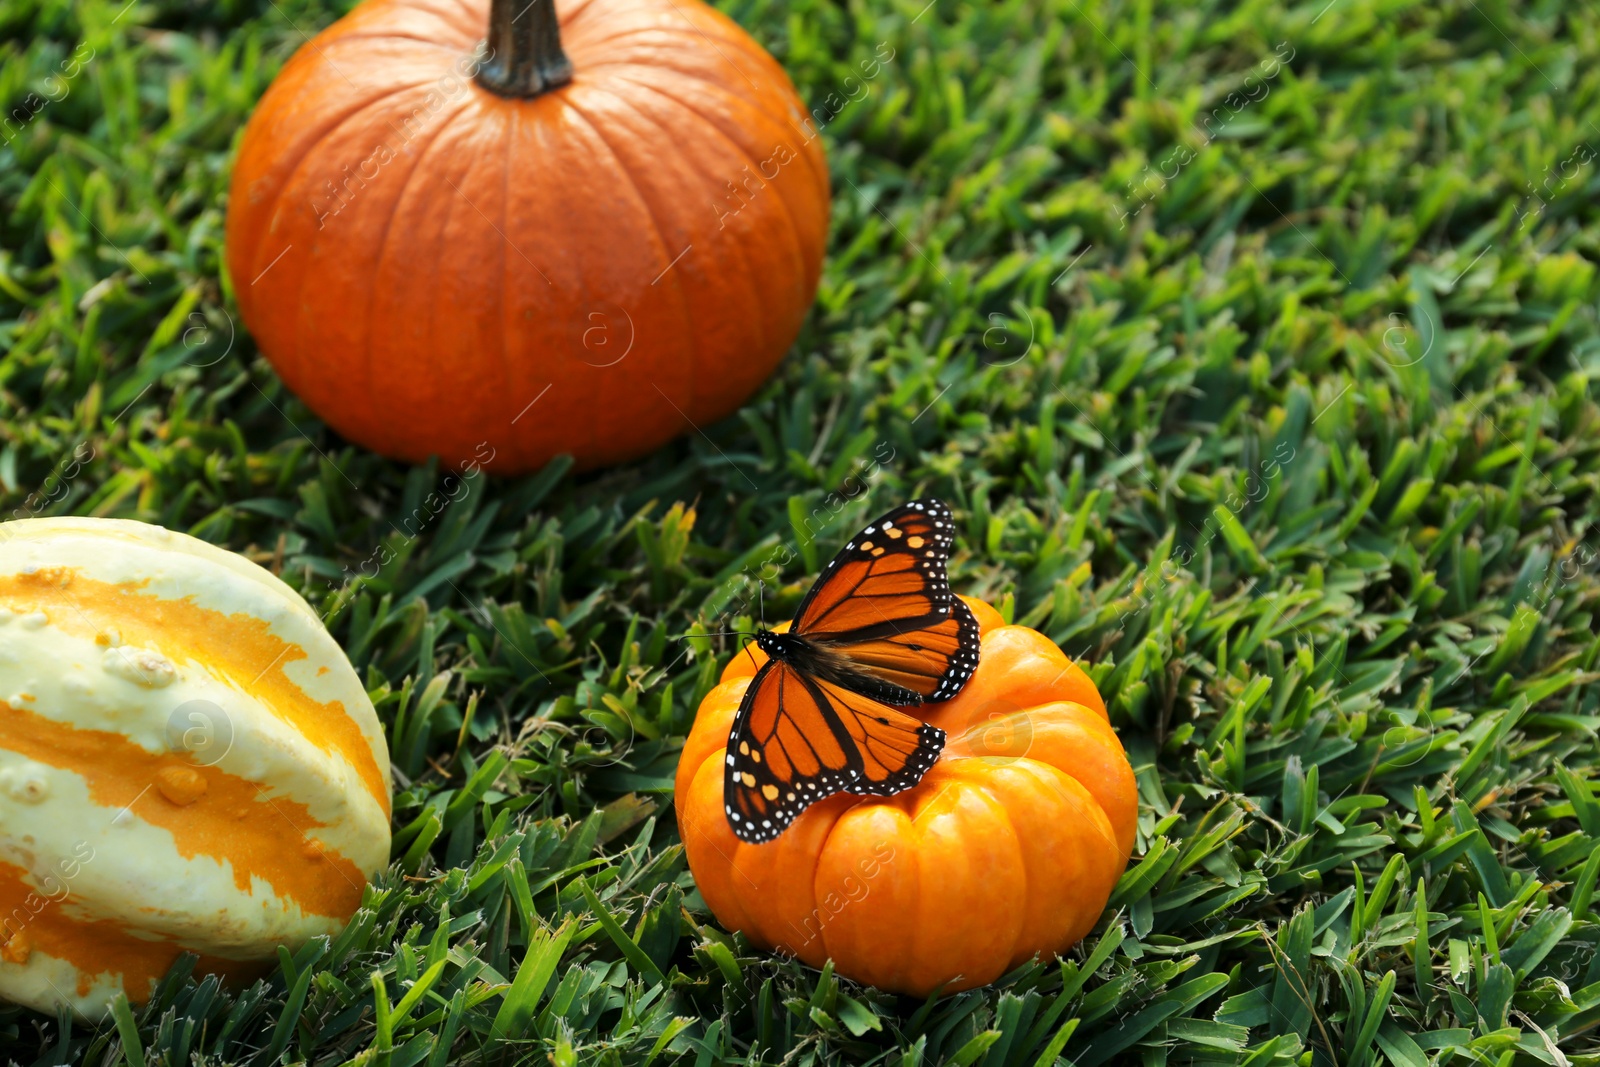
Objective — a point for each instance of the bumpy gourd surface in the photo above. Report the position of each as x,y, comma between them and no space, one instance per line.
187,762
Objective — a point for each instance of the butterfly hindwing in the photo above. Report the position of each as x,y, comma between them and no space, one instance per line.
885,604
787,749
896,750
798,739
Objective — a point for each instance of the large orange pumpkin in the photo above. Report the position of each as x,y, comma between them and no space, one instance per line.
586,238
1008,848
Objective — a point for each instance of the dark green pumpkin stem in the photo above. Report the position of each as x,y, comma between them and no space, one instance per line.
525,56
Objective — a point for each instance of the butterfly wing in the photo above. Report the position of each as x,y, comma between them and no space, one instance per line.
786,750
797,739
884,603
895,749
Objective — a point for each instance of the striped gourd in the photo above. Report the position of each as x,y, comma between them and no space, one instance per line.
187,762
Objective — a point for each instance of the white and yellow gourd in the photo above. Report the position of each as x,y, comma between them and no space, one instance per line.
187,762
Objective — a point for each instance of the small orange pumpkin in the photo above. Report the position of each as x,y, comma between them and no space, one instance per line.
585,238
1007,849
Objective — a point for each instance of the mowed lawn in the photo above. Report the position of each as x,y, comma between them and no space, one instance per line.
1254,347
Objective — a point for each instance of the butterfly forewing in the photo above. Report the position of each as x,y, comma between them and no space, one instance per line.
884,602
933,662
798,739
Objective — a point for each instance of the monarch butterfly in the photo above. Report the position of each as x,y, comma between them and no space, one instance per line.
878,631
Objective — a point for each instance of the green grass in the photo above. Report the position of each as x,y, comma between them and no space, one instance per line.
1302,460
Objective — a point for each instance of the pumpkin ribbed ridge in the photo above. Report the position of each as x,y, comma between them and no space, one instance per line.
187,762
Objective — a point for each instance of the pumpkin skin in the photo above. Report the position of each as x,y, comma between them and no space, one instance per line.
1008,848
421,258
187,762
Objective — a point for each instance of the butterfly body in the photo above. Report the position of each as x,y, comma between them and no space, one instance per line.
879,631
821,662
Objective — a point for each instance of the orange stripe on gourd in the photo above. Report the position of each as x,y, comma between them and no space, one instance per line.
208,812
240,648
30,923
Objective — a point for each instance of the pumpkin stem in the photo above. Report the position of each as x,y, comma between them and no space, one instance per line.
525,56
